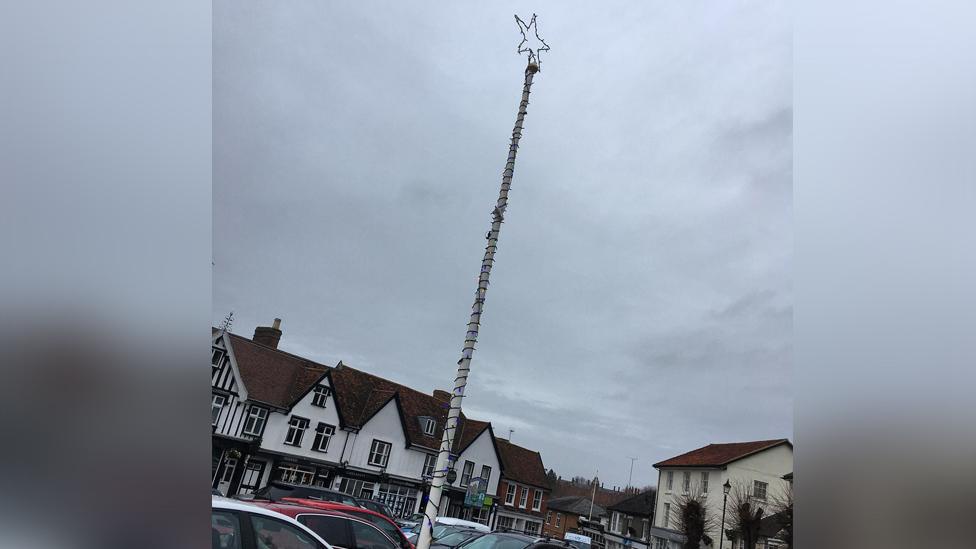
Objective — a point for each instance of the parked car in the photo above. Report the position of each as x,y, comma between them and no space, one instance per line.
507,540
379,520
446,525
455,539
236,524
341,530
375,506
407,523
277,490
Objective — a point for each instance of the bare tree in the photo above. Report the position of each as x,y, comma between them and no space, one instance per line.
691,516
781,505
745,515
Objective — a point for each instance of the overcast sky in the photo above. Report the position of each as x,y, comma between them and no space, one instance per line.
640,303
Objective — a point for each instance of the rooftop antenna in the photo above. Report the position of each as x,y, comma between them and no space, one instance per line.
510,431
533,45
630,477
227,323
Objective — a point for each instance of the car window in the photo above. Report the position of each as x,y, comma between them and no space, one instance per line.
441,530
225,530
271,533
334,530
456,538
492,541
369,537
386,526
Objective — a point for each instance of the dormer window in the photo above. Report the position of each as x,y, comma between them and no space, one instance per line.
428,425
320,395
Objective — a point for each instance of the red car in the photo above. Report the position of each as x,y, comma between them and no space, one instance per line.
379,520
340,530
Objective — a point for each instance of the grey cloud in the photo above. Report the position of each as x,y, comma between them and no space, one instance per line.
357,154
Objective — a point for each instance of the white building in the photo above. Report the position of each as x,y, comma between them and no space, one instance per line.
757,467
277,416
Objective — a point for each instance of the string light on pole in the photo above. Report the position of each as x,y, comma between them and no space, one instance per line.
530,44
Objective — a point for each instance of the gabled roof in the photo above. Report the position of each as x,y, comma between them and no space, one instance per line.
359,396
576,505
717,455
280,379
521,464
273,376
641,505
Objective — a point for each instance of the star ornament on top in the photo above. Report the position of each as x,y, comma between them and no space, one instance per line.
531,43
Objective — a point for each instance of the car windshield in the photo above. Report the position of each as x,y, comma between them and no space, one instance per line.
498,541
457,538
441,530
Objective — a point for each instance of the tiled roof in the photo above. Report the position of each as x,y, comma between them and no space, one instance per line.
716,455
273,376
576,505
279,378
521,464
360,395
641,505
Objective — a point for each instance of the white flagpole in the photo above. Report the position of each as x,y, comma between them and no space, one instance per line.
441,468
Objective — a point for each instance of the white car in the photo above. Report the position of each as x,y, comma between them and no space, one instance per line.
236,525
446,525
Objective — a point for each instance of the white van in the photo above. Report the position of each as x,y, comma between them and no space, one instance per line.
578,541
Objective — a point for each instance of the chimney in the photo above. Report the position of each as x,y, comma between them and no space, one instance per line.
268,336
443,396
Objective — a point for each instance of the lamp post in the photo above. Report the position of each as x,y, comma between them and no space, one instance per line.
727,487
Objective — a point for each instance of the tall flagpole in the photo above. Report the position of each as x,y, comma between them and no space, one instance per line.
441,468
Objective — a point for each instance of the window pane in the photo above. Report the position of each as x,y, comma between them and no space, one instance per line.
331,529
368,537
225,530
271,533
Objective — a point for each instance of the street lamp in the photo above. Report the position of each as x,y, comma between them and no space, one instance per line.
727,487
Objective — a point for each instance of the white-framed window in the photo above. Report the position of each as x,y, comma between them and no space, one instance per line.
615,521
510,494
379,453
759,489
548,517
685,482
323,435
486,474
216,405
320,394
505,523
429,425
537,501
256,417
466,472
559,520
296,475
670,480
660,543
430,461
532,527
356,488
704,482
666,519
216,357
296,430
523,497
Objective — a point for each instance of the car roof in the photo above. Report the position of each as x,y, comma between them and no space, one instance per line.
226,504
332,506
291,509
